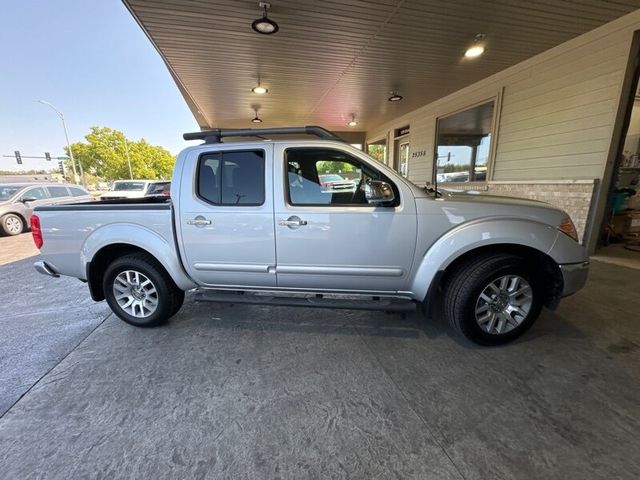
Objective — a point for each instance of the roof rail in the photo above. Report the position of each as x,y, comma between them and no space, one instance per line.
217,134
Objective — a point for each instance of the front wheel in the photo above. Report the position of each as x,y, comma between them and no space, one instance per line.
140,291
12,224
493,299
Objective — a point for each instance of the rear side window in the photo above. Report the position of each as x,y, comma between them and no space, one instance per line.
57,192
232,178
37,193
77,192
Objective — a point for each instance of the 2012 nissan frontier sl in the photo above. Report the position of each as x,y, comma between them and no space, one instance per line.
252,222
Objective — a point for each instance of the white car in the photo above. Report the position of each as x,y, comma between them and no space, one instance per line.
122,189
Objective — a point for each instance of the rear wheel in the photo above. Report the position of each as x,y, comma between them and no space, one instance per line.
12,224
140,291
493,299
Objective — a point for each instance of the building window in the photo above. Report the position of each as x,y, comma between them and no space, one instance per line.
464,144
378,150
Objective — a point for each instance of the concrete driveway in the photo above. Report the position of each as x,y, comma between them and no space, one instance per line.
260,392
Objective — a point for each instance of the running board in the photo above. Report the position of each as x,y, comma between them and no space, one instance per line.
317,301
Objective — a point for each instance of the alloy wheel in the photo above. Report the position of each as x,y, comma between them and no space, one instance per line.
135,293
503,304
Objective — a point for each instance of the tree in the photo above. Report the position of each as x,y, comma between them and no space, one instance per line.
104,154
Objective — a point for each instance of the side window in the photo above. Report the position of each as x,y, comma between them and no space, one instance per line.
232,178
320,176
58,192
37,193
77,192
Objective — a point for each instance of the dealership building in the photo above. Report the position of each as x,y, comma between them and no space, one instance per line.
526,99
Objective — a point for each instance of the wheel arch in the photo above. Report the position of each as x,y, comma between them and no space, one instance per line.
523,237
547,265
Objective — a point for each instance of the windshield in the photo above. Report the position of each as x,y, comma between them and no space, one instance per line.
7,191
128,186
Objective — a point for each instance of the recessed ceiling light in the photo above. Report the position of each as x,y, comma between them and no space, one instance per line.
353,122
265,25
477,48
395,97
259,89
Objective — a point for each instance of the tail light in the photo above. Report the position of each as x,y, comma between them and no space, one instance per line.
36,232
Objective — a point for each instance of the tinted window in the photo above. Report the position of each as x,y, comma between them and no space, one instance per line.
58,191
128,186
37,193
232,178
158,188
318,176
77,191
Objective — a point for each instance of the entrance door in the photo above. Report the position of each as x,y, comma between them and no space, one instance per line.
225,217
402,153
327,235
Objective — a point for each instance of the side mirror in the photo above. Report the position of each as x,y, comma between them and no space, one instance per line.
378,192
28,199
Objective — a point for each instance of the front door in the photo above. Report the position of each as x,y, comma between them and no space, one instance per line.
327,235
225,217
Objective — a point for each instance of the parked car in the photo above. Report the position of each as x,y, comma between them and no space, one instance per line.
235,231
122,189
17,201
331,182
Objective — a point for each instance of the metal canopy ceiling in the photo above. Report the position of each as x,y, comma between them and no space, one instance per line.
334,58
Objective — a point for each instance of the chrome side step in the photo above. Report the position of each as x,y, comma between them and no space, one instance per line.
386,304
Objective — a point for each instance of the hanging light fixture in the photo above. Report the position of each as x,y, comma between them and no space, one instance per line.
256,119
265,25
395,97
259,89
353,121
477,48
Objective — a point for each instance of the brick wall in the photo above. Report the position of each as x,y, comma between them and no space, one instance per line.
574,197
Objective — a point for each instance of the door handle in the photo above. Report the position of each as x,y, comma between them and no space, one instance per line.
292,222
199,221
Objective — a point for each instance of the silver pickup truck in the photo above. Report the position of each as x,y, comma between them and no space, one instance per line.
252,222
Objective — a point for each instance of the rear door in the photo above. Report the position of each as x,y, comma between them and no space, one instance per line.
59,194
331,238
225,216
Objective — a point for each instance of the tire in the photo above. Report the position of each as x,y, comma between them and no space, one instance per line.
140,291
487,309
12,224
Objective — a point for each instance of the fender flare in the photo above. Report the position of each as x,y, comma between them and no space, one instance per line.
475,234
140,237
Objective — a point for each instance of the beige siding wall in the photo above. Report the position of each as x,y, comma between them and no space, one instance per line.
555,122
557,110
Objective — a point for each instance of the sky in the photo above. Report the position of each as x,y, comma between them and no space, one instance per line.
92,61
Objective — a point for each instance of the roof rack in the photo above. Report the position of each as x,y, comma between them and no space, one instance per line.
217,134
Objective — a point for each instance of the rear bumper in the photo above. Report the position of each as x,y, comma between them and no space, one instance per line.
45,269
574,276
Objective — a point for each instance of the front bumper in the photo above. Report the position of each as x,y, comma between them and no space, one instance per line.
574,277
45,269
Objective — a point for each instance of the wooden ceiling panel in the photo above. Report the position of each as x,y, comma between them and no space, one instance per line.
334,58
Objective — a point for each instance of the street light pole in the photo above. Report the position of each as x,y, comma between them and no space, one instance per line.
66,136
126,149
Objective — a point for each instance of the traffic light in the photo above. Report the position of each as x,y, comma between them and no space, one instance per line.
47,155
18,157
61,167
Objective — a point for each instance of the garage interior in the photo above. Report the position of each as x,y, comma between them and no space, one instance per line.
246,392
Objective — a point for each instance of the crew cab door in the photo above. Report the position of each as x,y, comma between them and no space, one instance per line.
327,235
224,211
